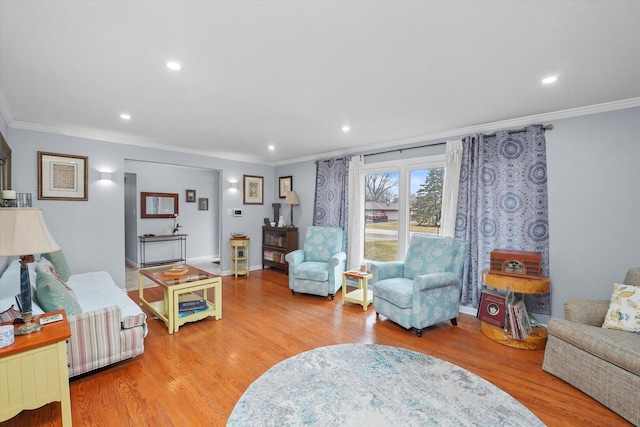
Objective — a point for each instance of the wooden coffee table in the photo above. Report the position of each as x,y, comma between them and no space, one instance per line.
178,289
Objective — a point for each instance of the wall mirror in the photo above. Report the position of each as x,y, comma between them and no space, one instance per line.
158,205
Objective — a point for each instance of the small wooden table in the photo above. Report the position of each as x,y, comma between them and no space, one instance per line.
178,289
239,256
537,339
33,371
363,295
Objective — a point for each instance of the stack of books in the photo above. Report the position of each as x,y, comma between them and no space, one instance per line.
495,310
176,271
191,306
519,320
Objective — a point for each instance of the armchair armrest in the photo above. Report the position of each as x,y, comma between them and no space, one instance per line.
586,312
337,259
386,270
435,280
294,257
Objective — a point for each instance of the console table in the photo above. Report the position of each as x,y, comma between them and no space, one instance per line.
33,371
180,239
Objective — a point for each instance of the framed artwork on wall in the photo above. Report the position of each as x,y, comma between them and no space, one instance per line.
62,177
203,204
252,190
190,196
286,185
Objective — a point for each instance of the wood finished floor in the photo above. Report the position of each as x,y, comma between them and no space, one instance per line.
195,377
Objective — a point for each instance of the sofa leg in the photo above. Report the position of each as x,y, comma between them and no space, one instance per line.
419,332
454,321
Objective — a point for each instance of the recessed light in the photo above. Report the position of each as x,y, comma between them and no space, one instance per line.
549,80
346,128
125,116
271,147
172,65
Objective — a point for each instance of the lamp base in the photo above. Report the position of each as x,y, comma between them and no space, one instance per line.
28,327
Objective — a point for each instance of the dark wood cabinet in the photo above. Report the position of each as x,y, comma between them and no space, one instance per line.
276,243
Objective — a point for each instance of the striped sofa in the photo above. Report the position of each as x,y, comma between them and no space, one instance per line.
111,327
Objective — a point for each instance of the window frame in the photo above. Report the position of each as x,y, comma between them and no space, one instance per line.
404,168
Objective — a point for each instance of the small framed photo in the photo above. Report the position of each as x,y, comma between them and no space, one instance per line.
285,185
62,177
203,204
253,190
190,196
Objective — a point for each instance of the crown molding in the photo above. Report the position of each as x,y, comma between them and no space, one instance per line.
482,128
368,149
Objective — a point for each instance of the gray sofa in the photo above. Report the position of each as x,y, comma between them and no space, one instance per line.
603,363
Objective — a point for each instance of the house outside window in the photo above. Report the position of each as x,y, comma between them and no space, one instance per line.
401,198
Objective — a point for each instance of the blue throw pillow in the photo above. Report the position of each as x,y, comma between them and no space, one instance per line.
59,262
52,295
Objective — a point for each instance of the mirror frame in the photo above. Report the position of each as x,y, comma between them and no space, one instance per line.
5,156
143,205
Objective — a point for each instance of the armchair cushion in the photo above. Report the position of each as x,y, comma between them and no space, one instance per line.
398,289
586,312
318,271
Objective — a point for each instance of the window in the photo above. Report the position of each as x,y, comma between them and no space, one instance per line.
401,198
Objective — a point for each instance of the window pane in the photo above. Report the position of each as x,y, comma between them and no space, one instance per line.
381,216
425,200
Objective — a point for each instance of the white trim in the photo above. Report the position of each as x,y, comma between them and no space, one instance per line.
468,310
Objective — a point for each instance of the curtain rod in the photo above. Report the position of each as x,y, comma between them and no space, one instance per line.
511,132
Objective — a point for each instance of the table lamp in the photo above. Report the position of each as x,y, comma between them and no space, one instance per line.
24,233
291,199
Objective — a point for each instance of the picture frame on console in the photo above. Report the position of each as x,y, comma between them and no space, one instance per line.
252,190
285,185
62,177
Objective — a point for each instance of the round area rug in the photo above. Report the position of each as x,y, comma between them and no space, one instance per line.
374,385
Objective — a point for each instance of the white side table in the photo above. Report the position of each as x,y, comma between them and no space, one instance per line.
240,256
362,295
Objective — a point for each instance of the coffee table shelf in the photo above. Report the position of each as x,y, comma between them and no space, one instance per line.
183,287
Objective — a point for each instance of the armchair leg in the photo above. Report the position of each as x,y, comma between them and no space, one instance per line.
332,296
419,332
293,292
454,321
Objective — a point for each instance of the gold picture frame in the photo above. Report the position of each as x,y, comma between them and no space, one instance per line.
63,177
252,190
285,185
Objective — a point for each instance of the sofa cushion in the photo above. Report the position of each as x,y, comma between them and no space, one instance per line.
45,265
59,262
618,347
52,295
316,271
398,290
624,309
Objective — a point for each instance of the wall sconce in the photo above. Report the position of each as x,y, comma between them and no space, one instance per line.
105,176
233,184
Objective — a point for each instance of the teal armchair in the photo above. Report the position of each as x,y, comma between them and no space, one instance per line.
317,268
425,288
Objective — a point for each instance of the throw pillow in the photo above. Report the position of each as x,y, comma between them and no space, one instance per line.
45,265
52,295
59,262
9,315
624,309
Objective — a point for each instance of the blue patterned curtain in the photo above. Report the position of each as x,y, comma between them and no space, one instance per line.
502,204
332,183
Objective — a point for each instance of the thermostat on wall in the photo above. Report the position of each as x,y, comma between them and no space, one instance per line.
237,212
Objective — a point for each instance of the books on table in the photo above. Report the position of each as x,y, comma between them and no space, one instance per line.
492,308
519,320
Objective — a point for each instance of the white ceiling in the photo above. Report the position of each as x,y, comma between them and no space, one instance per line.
292,73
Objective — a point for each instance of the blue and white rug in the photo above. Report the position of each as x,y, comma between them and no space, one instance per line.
374,385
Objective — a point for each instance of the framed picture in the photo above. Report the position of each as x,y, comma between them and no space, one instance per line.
203,204
285,186
62,177
253,190
190,196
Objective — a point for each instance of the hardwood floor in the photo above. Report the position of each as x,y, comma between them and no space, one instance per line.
195,377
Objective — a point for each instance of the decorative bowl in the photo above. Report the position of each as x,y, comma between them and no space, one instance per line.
238,234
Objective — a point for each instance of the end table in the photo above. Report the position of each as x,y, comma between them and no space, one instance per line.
363,295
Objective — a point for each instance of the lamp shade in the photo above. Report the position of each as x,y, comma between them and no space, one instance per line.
24,232
292,198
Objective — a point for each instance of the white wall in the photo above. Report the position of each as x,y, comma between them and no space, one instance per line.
594,204
91,233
